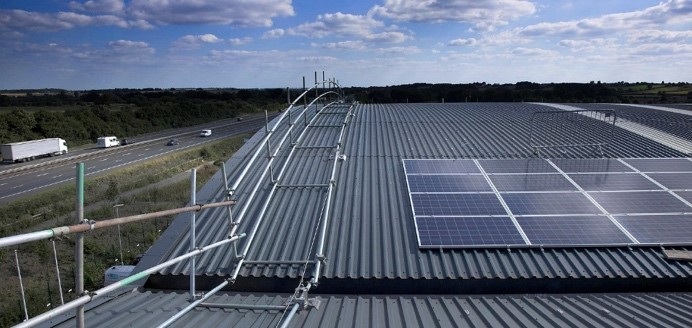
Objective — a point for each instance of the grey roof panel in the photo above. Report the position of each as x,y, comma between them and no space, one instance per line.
150,308
371,233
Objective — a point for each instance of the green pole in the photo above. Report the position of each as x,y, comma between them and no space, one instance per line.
79,245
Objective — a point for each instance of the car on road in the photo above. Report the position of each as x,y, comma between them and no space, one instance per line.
205,133
172,142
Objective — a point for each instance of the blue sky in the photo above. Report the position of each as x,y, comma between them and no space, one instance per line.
98,44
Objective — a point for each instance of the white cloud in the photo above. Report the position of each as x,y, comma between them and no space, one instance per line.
225,12
27,20
127,46
462,42
119,51
11,35
388,37
363,28
316,59
484,15
240,41
656,49
654,36
399,50
588,45
538,53
99,6
346,45
338,24
240,55
669,12
273,34
194,41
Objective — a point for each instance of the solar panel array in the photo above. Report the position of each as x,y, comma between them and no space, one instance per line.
550,202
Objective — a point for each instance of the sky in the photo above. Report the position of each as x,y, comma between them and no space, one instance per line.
101,44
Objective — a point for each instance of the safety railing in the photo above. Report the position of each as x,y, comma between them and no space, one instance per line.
578,128
330,89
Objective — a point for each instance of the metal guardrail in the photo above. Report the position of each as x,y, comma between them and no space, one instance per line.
578,128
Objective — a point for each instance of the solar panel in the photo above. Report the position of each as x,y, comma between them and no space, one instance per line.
457,204
448,183
532,182
673,180
591,165
661,164
433,166
454,204
640,202
572,230
687,195
467,231
656,229
549,203
532,165
613,181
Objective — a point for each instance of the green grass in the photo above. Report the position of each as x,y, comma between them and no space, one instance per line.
131,186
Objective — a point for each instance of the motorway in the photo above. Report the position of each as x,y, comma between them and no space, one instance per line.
20,180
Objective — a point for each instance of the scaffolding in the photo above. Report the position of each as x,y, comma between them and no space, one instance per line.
327,96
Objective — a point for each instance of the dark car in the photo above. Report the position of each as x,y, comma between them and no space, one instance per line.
172,142
126,142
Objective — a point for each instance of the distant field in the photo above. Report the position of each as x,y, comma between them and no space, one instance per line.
656,88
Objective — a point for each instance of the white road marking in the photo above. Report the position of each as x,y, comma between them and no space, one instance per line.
2,184
40,175
57,176
105,159
125,154
18,186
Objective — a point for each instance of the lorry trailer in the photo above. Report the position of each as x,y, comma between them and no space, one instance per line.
28,150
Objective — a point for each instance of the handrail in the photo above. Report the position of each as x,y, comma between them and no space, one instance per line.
84,299
260,216
93,225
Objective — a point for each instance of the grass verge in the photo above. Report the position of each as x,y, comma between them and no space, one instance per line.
143,188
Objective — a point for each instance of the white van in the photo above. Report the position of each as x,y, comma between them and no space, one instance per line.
205,133
105,142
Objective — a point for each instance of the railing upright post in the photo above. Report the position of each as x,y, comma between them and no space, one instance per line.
193,223
21,285
57,272
229,193
79,245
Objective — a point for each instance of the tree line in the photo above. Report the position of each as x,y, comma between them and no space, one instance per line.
81,117
621,92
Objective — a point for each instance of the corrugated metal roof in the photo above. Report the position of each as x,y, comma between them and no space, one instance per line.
679,124
371,233
150,308
371,245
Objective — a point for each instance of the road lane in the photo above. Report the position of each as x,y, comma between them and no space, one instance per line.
18,181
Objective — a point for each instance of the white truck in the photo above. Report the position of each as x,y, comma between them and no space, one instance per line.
105,142
28,150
